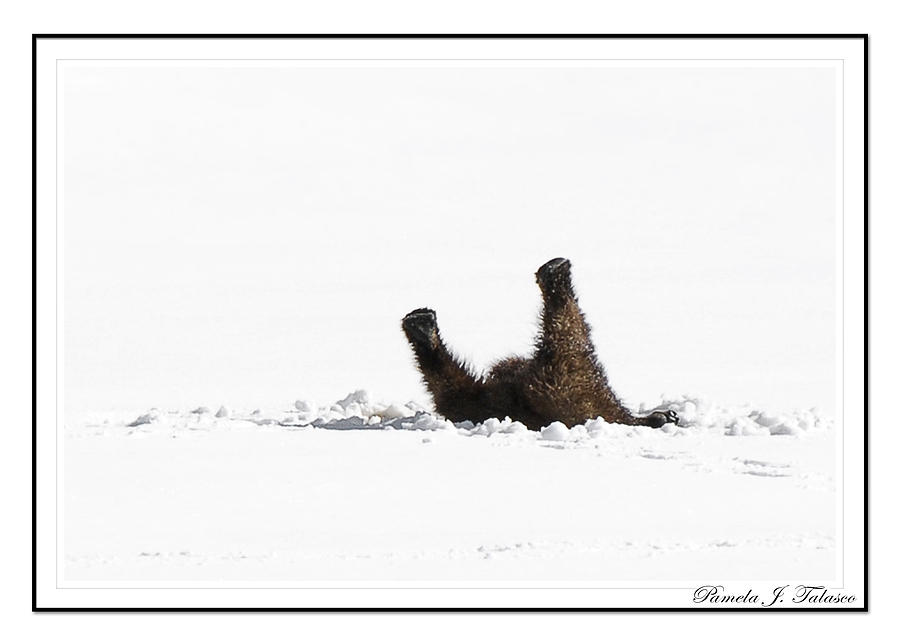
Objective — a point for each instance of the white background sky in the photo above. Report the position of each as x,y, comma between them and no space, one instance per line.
251,236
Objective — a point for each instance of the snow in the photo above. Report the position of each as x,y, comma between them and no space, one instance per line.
557,431
368,490
146,418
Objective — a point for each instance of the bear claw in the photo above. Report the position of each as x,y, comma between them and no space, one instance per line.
420,325
555,278
554,271
660,418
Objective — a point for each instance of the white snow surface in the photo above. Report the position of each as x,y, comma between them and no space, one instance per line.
366,490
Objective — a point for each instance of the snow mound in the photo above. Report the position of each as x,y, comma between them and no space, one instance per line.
358,411
557,431
147,418
701,415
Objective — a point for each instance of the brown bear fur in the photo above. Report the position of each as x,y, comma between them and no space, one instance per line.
561,381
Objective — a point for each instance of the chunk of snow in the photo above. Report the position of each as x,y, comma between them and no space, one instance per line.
578,432
688,412
491,426
766,419
425,421
745,426
146,418
786,427
557,431
360,397
394,411
223,413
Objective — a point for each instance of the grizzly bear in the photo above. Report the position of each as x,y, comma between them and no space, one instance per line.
561,381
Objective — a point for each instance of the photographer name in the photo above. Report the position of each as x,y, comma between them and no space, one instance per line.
799,594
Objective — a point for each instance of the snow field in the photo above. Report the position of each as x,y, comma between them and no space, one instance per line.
362,490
